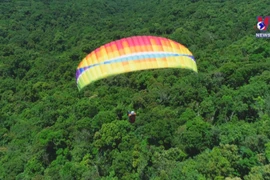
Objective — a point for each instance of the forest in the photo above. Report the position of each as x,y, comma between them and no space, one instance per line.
210,125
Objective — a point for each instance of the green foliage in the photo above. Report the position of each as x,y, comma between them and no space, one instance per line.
259,172
210,125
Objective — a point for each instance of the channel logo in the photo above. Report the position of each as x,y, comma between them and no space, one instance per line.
262,25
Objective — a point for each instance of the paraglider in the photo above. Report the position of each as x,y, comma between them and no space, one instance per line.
131,116
133,54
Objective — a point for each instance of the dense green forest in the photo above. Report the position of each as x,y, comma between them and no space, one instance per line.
211,125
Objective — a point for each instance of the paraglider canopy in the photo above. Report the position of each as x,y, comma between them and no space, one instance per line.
133,54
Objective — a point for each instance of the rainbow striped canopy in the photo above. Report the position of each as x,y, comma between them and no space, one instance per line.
133,54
